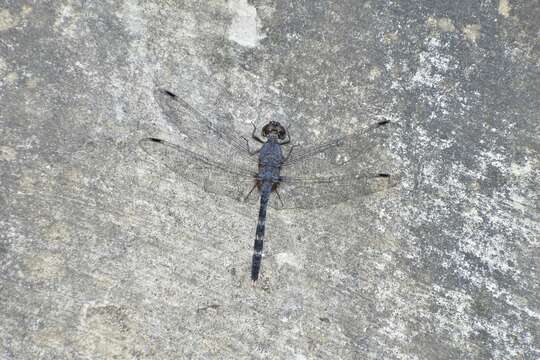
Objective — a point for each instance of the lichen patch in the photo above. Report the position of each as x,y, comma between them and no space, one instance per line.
374,73
45,266
11,78
504,8
7,153
443,24
472,32
7,20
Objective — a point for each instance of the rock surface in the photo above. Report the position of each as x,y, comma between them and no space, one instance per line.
107,255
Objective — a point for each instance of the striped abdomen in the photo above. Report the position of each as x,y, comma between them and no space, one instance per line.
259,234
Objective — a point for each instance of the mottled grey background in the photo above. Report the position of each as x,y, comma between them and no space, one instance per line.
105,255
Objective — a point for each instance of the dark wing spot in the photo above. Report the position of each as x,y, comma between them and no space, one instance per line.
168,93
384,122
383,175
156,140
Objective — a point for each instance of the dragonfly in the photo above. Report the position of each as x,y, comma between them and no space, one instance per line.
214,156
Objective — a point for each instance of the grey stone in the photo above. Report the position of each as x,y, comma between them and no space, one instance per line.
105,254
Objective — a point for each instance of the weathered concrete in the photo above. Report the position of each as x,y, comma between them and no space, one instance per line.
105,255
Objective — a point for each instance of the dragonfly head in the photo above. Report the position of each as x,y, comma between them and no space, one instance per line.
274,130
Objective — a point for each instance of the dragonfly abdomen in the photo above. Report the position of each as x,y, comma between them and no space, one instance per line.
259,233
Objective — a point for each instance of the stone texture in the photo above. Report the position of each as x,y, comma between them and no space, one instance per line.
106,255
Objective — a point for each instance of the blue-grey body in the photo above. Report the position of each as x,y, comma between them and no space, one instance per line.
270,160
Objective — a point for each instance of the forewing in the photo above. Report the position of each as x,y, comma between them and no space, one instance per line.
229,179
308,193
333,157
214,139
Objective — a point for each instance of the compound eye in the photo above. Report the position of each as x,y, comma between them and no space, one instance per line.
264,131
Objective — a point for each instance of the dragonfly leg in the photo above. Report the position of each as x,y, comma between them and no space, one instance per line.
279,197
255,136
289,153
249,193
251,152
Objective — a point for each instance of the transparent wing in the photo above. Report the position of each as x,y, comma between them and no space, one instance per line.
308,193
333,157
328,174
223,179
216,140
